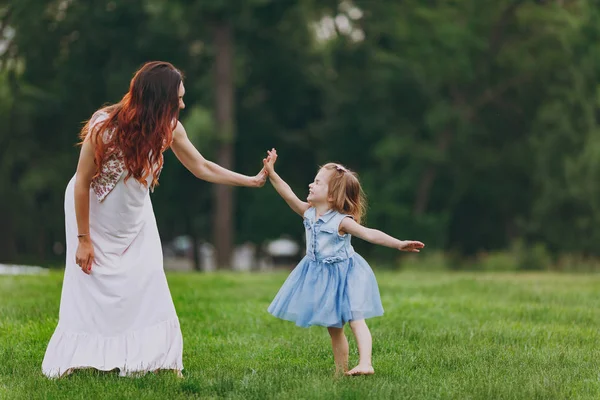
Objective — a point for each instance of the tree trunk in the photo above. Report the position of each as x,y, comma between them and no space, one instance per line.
41,246
8,247
191,231
223,221
428,177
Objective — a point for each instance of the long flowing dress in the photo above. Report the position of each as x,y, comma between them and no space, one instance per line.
122,315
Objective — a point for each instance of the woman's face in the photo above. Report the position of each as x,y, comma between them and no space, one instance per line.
181,93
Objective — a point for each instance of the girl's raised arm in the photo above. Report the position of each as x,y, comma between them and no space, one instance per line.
282,187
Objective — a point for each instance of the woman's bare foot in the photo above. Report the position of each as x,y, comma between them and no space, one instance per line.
361,370
177,372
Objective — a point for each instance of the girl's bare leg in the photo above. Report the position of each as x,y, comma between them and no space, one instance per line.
339,344
365,345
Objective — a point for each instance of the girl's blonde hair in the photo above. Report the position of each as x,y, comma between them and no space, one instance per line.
345,191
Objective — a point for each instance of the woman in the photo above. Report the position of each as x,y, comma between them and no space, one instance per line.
116,310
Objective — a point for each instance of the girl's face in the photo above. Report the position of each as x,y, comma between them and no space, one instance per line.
318,190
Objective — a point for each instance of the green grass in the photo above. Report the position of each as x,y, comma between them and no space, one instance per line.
444,336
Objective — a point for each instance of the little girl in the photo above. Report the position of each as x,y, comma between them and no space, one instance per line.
332,284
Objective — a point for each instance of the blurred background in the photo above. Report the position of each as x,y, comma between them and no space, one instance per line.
472,124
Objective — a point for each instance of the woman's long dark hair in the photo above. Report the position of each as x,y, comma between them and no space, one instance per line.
141,125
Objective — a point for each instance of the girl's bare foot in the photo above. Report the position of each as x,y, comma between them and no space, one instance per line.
361,370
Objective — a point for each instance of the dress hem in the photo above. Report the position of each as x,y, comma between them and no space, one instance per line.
158,347
294,318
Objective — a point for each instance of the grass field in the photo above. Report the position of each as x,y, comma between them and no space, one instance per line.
444,336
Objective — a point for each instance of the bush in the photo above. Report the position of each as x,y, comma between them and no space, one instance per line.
435,260
576,263
532,257
497,261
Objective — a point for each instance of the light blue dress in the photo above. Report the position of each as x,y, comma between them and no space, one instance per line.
332,284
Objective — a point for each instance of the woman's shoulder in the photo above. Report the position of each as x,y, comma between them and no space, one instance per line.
98,116
94,125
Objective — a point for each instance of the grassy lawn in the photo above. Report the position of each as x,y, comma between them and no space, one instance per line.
444,336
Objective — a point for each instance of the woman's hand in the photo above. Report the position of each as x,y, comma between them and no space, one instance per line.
260,179
84,257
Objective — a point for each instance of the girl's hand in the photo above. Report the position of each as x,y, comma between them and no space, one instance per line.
410,245
84,257
269,162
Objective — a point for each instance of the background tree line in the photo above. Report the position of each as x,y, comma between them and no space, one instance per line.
473,125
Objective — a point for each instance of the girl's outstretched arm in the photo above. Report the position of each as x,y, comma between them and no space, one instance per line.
282,187
374,236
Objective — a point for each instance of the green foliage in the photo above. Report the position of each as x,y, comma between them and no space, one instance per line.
471,124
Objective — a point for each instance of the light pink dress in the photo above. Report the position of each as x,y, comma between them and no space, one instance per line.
122,315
